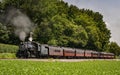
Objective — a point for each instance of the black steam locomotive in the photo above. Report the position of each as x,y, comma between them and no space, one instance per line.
32,49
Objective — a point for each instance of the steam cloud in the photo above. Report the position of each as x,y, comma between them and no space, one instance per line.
21,22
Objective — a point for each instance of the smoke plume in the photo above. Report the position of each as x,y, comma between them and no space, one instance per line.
21,22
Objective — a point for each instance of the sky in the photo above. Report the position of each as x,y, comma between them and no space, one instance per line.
110,9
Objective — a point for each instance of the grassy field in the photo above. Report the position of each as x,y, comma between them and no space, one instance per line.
6,48
7,55
25,67
8,51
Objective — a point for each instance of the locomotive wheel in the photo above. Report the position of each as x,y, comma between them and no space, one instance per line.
26,54
18,54
37,54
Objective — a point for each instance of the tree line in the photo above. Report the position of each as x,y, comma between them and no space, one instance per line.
59,24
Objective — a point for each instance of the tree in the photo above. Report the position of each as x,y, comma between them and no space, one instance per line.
3,34
114,48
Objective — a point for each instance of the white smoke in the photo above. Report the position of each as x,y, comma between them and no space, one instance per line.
21,22
30,38
22,35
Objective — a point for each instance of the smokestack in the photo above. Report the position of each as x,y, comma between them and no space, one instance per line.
30,38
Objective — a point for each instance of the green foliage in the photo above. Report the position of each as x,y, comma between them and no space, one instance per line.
23,67
114,48
7,55
3,34
94,40
52,42
4,48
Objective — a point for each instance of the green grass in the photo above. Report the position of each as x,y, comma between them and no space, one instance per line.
6,48
8,51
7,55
23,67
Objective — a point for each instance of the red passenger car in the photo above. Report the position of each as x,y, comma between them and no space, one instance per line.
80,53
68,52
88,53
55,51
95,54
109,56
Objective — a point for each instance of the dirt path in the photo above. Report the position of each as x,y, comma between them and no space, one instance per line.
64,60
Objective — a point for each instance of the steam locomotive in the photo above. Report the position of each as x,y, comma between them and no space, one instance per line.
33,49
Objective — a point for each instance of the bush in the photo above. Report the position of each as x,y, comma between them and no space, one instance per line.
5,48
7,55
